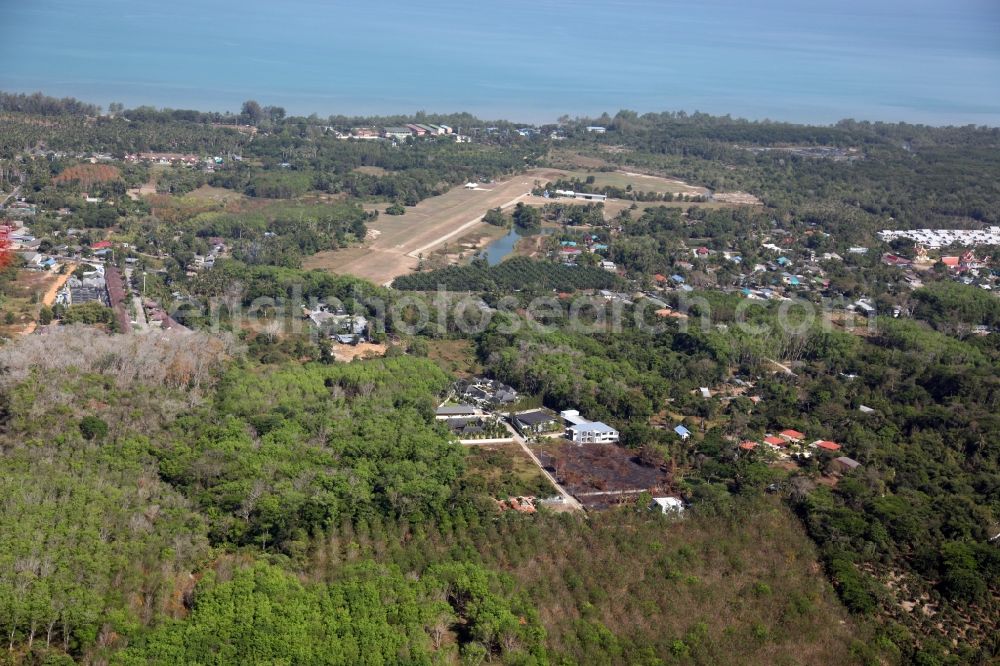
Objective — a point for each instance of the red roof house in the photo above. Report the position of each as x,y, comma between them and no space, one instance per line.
791,435
101,245
748,445
895,260
827,445
950,262
775,441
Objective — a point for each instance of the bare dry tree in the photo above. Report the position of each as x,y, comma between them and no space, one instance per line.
175,359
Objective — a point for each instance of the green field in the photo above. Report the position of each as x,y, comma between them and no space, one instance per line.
503,470
639,182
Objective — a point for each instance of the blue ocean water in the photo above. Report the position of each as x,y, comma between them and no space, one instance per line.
808,60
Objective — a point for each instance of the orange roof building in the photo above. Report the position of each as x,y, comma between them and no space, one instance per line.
791,435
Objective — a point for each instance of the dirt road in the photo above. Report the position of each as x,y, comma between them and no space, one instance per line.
568,499
425,227
50,294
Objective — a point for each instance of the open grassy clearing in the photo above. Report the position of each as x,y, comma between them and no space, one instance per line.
371,170
570,159
400,239
504,470
454,356
209,193
639,182
613,206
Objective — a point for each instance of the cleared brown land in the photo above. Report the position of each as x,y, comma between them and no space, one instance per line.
31,282
457,357
424,228
88,174
360,350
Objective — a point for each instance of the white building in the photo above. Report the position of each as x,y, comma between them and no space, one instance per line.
588,196
572,417
667,505
593,432
584,431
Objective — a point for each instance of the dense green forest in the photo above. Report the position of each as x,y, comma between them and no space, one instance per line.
316,513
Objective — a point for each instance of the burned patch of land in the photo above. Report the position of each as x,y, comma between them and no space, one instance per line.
601,475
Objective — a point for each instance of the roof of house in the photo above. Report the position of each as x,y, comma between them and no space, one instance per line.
682,431
460,421
449,410
791,434
534,417
774,441
748,445
848,462
827,445
100,245
593,426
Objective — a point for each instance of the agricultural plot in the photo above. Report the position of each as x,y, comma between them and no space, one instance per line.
515,273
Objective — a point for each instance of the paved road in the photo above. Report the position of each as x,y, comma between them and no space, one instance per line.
568,499
468,225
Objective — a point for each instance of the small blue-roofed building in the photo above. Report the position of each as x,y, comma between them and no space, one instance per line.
683,432
677,278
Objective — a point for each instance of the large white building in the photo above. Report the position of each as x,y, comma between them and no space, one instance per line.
588,196
593,432
582,431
